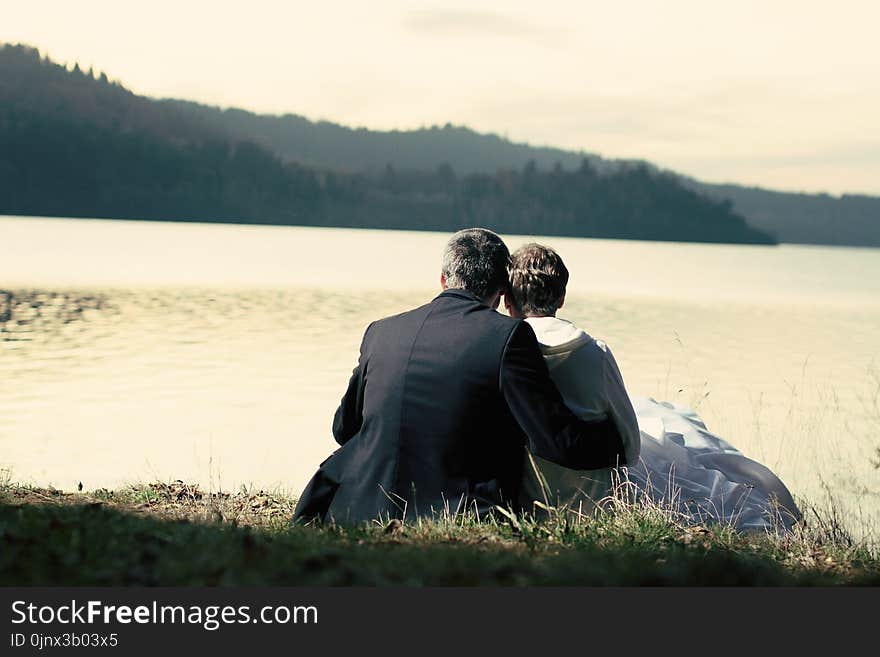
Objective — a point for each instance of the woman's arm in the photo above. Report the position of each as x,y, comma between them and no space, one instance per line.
620,408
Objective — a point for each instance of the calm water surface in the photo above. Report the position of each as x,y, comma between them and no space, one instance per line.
217,354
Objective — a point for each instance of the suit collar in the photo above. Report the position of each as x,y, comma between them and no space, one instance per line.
459,294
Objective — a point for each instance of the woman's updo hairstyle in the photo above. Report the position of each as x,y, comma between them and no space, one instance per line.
537,280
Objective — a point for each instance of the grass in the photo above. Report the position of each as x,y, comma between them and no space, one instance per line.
176,534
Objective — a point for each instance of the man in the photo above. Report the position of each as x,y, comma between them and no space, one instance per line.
442,403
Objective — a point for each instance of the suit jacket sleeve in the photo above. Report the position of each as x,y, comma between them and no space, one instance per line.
553,432
349,416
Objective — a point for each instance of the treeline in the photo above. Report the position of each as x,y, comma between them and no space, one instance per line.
71,168
633,203
74,143
847,220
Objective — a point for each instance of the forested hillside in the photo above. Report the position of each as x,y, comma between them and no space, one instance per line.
73,143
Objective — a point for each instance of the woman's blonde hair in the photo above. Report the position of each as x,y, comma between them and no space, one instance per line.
538,278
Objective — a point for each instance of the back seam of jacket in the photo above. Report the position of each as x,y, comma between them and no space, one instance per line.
395,483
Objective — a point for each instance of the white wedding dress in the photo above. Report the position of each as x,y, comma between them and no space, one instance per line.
704,477
672,459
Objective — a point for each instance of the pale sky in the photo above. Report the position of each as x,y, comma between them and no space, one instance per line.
783,94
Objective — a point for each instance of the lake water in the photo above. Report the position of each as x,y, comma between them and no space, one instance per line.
216,354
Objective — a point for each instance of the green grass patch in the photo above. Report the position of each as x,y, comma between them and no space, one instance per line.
174,534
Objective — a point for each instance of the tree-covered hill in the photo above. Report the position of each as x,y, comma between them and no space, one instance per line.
792,217
73,143
847,220
332,146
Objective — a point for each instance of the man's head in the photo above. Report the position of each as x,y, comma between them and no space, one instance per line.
538,278
476,260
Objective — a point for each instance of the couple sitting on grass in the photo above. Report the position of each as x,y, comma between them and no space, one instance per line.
455,408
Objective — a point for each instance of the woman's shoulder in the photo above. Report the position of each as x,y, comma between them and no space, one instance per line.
589,350
601,345
598,353
602,348
557,335
561,339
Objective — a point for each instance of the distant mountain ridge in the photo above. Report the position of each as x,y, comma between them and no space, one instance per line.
792,217
800,218
333,146
231,164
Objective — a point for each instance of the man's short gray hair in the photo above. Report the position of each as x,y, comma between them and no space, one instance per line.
476,260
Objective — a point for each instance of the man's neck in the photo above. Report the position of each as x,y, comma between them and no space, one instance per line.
492,301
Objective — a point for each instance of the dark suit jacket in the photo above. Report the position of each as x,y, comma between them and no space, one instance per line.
437,413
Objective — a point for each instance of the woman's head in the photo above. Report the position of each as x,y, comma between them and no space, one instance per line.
537,282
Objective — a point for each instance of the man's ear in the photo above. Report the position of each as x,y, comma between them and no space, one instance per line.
511,308
508,305
442,280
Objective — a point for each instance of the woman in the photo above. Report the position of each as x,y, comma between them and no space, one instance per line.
672,459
